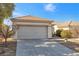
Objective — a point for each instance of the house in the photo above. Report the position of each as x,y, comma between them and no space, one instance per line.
70,25
31,27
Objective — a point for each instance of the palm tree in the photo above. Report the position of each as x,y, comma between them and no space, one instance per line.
69,24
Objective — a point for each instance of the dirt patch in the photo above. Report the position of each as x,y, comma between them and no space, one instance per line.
10,50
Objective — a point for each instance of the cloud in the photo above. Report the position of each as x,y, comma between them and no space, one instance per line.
50,7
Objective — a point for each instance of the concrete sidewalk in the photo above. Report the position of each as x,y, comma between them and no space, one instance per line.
41,48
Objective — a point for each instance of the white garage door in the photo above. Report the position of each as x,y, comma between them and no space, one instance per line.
32,32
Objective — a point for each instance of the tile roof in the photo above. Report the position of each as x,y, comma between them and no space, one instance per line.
30,18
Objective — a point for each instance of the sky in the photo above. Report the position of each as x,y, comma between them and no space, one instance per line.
59,12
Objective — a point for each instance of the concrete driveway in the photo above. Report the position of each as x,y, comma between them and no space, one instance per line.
46,47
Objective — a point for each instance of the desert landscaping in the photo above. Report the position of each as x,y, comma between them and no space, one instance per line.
10,50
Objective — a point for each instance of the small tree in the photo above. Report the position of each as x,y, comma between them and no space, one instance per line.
66,34
58,32
6,32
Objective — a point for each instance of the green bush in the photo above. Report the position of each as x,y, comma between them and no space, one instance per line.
58,32
65,34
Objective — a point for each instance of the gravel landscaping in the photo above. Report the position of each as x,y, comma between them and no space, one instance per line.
10,50
72,44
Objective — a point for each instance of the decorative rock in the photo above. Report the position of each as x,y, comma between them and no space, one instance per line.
2,51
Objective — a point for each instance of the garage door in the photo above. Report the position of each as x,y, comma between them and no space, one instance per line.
32,32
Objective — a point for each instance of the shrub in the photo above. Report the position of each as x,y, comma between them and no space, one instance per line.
58,32
65,34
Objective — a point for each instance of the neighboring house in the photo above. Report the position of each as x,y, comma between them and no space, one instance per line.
55,28
30,27
71,25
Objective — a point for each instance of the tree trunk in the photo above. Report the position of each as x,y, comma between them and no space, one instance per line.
5,42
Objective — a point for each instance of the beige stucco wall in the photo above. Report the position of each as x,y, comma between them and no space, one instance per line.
50,31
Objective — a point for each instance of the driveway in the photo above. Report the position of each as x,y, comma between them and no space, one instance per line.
46,47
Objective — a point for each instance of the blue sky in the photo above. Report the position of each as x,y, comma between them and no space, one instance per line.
59,12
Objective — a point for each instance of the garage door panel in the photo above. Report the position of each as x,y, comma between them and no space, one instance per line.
29,32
